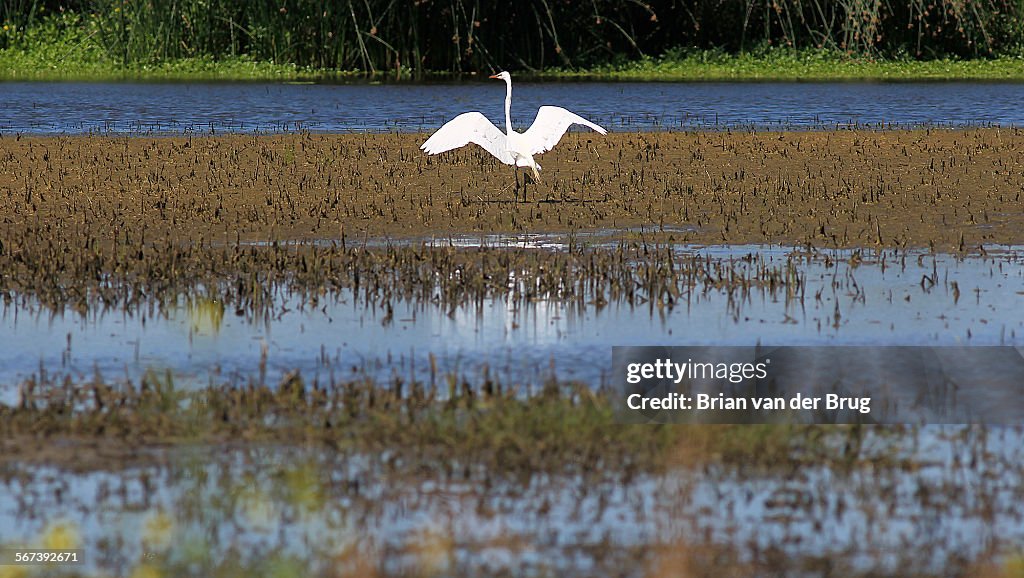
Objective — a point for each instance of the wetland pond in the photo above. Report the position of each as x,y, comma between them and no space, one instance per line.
312,511
162,299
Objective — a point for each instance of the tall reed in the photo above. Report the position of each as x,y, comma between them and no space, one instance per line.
460,35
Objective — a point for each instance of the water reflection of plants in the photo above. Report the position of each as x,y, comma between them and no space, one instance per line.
744,505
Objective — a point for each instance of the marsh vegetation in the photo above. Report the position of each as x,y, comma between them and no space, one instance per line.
407,463
300,38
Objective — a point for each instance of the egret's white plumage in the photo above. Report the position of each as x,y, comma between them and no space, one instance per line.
466,128
513,148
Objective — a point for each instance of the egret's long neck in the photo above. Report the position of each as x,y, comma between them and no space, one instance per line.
508,106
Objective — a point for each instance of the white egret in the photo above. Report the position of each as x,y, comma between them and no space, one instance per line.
513,148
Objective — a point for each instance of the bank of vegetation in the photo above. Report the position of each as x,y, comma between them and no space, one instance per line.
689,38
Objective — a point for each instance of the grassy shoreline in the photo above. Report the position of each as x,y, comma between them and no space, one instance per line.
780,65
799,66
16,66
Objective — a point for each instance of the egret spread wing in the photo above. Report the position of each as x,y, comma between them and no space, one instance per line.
549,126
464,129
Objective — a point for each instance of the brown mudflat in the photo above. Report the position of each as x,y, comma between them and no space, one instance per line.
947,189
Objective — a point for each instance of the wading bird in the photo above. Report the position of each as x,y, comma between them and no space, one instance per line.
516,149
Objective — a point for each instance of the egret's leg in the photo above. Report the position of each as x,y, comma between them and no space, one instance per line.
516,173
536,179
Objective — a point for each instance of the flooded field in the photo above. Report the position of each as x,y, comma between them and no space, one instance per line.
521,331
330,355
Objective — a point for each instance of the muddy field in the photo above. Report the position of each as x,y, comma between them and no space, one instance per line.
162,244
947,189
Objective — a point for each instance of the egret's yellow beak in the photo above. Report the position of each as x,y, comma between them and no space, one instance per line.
494,76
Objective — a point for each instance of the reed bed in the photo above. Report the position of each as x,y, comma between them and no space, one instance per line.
469,35
254,281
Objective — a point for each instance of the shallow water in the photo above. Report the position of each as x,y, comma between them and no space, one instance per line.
42,107
845,298
195,508
930,500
